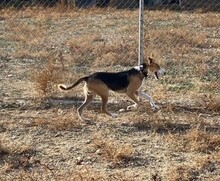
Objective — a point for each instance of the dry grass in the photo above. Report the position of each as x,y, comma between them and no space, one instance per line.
48,77
47,46
15,156
3,149
63,123
182,173
210,20
28,33
196,140
113,151
90,174
210,102
179,41
153,121
200,166
27,54
201,141
93,50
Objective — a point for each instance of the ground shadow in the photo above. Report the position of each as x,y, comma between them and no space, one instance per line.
165,126
133,161
75,102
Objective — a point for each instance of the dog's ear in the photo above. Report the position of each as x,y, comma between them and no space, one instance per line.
150,60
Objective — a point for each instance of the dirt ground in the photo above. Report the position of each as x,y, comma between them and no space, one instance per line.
41,137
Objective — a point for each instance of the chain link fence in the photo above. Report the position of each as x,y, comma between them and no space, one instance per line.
61,40
209,5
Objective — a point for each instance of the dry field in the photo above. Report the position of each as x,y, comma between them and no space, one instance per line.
41,137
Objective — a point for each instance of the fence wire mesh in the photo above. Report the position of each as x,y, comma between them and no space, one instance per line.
84,36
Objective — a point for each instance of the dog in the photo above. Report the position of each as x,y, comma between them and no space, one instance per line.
128,82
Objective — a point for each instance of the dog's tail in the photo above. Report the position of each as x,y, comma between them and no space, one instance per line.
64,87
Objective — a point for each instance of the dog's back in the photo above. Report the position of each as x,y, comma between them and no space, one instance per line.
115,81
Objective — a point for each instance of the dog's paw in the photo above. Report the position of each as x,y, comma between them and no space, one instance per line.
121,110
88,121
132,107
155,107
113,115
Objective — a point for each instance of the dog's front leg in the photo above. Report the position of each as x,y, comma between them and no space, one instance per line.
149,98
135,105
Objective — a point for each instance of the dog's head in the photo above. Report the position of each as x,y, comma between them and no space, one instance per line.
155,68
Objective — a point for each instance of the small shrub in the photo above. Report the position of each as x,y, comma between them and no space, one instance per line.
46,78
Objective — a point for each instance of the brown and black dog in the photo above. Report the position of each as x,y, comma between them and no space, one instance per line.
128,82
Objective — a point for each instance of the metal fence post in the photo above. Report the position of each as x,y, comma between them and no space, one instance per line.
141,32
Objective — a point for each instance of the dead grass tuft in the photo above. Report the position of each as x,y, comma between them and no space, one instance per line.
207,163
210,20
59,123
28,33
182,173
15,156
212,102
113,151
154,122
4,150
46,78
201,165
197,140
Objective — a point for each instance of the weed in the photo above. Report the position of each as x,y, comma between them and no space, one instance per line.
15,156
61,123
112,151
197,140
46,78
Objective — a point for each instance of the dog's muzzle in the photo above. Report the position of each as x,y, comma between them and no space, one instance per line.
159,73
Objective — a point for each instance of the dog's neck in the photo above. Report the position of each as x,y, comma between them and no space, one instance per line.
144,73
141,70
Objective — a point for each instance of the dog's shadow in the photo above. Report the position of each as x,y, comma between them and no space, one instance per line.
76,102
164,128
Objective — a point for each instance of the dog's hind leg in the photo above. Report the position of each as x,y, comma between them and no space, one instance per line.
103,91
88,99
104,105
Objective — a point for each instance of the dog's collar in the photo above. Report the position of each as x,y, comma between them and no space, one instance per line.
141,69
